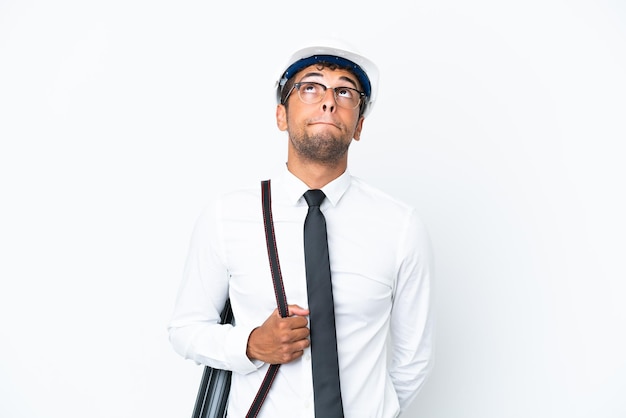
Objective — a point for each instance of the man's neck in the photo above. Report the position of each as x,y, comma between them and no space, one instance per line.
315,175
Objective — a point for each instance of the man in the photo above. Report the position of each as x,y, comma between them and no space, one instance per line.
380,262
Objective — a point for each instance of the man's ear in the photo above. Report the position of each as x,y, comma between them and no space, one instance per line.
281,117
359,127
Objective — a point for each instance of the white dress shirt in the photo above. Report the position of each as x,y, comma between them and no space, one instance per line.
381,268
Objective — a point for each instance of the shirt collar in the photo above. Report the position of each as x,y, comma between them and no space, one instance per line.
294,188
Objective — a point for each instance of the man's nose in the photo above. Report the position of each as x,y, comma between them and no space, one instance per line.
329,101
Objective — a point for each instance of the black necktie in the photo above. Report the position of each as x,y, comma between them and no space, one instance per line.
322,311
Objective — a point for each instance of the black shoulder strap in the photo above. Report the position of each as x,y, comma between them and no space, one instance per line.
281,298
272,251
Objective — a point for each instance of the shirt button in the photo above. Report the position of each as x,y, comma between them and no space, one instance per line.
307,357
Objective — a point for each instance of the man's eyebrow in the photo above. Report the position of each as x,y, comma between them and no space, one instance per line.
343,78
311,75
349,80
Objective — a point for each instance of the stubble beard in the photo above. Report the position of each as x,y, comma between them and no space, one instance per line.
322,148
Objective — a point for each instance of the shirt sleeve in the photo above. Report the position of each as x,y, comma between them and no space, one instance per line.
412,322
194,330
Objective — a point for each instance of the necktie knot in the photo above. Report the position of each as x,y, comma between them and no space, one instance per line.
314,197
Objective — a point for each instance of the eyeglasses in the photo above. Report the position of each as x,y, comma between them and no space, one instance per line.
312,93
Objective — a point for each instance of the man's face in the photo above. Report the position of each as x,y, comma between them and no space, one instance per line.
321,132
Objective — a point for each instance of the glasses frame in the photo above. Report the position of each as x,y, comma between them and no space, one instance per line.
296,86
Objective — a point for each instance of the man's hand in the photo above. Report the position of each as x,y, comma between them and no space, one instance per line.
280,340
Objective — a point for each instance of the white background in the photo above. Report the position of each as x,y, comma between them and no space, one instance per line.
501,121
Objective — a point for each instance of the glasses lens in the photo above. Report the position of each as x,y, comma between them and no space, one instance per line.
347,97
311,93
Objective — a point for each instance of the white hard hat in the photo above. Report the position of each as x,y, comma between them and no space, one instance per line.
335,52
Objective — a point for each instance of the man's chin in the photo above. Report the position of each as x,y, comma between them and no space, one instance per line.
324,155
